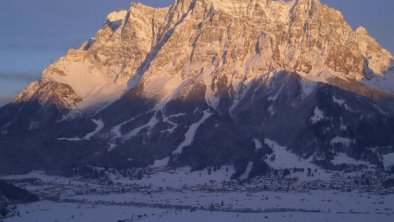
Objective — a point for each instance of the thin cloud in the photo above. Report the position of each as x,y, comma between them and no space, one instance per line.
50,45
21,77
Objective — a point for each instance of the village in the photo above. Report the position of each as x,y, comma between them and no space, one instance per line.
172,192
381,183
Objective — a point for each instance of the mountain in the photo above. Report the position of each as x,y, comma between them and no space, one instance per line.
207,83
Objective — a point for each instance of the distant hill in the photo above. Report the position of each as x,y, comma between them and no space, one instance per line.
10,194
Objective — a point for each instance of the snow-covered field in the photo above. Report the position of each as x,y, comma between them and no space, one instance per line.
47,211
182,195
271,217
320,201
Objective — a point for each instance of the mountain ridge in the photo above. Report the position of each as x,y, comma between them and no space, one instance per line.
200,81
145,45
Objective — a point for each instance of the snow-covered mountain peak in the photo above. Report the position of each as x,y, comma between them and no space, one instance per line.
117,16
202,41
362,30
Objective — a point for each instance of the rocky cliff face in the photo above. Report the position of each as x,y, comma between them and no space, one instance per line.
206,82
232,40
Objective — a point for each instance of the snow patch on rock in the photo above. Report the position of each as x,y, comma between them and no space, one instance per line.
100,126
257,144
284,158
342,141
343,158
189,135
318,115
248,169
161,163
149,125
342,102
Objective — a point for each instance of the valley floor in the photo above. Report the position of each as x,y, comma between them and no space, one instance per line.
47,211
186,196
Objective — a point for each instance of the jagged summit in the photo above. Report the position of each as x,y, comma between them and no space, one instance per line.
235,39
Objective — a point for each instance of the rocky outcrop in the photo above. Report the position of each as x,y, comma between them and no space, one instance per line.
16,194
10,195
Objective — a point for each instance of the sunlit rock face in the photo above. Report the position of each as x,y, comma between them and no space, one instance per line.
234,41
202,80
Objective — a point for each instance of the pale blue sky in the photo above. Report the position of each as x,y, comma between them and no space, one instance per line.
34,33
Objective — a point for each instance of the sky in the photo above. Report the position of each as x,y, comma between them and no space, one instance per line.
35,33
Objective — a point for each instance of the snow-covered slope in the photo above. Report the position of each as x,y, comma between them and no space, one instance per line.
98,72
